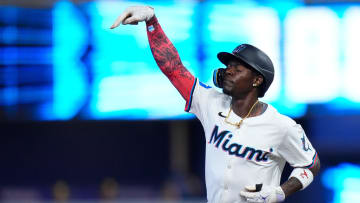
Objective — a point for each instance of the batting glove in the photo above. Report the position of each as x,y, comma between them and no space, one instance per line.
133,15
267,194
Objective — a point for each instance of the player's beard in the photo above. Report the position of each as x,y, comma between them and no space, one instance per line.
226,91
227,87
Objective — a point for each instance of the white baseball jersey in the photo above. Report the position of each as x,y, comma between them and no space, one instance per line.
253,154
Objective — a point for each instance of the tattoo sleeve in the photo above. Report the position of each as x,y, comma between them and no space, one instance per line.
168,60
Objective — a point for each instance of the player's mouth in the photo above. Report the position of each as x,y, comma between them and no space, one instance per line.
227,82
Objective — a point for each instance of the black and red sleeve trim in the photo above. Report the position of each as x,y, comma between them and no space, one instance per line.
188,103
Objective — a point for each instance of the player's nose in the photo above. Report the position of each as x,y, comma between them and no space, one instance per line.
229,70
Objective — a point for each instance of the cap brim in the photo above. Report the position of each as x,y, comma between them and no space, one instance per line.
226,57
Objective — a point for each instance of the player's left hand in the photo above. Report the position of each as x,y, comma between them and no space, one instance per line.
267,194
133,15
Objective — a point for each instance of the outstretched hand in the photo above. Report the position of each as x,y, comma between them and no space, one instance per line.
133,15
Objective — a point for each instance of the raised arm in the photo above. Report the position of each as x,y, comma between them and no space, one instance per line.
164,52
168,59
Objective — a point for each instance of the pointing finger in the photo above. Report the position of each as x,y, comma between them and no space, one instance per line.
120,19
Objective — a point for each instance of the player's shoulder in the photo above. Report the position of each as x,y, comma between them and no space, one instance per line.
213,95
208,89
282,120
287,125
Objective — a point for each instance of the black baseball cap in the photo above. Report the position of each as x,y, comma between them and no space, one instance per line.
253,58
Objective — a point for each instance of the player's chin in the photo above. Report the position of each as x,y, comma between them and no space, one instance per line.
226,91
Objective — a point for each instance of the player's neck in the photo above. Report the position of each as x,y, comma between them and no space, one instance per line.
241,107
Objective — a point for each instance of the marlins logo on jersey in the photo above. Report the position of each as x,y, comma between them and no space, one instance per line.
223,140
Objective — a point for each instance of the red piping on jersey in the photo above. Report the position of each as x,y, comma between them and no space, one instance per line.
188,103
314,161
168,60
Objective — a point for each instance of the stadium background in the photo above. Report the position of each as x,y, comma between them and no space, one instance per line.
86,115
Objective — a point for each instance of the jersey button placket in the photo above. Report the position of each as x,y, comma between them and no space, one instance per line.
229,165
227,178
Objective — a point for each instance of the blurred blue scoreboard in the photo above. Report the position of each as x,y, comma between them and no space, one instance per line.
68,64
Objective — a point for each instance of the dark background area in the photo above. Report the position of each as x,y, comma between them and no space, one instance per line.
136,154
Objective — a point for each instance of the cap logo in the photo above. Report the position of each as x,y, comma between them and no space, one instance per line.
239,48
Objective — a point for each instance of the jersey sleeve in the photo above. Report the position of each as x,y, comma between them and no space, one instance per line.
200,98
296,148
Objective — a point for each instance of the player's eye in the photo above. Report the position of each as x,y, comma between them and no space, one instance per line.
233,65
237,69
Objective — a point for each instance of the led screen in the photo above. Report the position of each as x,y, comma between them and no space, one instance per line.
65,63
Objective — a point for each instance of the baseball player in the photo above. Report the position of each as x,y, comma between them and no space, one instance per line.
247,141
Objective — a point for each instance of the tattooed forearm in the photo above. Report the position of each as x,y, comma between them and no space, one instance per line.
291,186
167,58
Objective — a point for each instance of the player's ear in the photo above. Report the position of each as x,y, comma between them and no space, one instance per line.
258,80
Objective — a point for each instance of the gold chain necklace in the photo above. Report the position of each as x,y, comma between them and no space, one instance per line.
240,122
